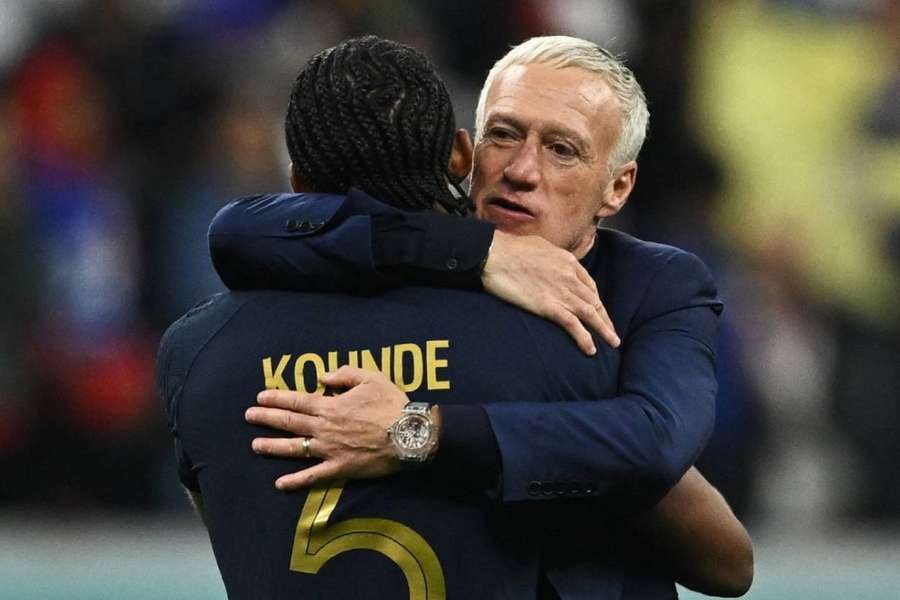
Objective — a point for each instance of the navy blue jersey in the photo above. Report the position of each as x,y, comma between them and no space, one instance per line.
409,535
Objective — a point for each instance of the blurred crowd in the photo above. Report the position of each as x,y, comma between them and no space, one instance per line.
774,154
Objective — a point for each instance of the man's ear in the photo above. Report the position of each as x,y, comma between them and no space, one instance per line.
618,190
298,182
460,157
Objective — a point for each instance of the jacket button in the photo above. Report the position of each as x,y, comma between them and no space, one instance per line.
451,263
534,488
574,488
292,225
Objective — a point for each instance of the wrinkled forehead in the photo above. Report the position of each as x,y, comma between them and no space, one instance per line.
590,86
564,97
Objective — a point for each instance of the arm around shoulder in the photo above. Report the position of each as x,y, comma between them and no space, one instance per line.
669,360
638,444
336,242
308,242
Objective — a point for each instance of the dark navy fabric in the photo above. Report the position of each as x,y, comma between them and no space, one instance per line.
212,363
631,444
298,250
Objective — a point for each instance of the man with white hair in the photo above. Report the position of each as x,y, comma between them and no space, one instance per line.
558,129
593,126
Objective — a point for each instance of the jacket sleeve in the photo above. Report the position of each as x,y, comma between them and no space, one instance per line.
329,242
638,444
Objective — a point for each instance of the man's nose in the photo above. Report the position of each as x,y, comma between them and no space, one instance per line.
524,168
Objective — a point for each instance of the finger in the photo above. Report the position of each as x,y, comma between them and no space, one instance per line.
285,447
567,320
581,292
309,476
608,333
346,377
585,287
285,420
294,401
593,313
587,280
598,320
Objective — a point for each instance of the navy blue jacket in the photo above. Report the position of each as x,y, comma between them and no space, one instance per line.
636,444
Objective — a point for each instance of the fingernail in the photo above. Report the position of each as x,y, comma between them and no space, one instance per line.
262,397
593,350
618,342
255,445
279,484
249,413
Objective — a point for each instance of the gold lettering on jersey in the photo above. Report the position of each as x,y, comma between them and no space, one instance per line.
275,380
369,364
410,380
433,363
317,540
410,366
300,365
333,364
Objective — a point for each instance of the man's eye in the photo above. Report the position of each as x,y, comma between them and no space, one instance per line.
499,133
563,150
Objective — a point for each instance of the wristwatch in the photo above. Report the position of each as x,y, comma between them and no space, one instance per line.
414,434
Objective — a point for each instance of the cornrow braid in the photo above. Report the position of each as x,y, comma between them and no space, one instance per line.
373,113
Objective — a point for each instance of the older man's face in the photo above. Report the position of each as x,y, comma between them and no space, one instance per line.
541,166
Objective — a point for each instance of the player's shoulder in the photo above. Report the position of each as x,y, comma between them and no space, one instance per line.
187,336
194,328
652,277
196,316
645,260
627,247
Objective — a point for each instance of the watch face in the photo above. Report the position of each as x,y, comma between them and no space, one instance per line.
413,432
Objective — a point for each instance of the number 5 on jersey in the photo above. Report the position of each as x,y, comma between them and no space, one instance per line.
316,542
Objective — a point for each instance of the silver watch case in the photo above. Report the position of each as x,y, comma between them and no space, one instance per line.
414,433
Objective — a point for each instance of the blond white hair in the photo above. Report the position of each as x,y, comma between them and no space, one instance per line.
562,51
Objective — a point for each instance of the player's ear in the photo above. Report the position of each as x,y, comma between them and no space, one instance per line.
617,192
298,182
460,156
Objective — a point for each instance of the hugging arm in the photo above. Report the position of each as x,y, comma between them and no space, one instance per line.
312,242
691,532
641,441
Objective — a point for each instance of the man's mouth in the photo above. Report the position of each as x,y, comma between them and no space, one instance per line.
508,206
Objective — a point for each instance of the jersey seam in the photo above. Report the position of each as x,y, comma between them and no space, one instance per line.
177,404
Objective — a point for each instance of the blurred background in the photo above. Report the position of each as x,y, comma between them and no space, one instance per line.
774,154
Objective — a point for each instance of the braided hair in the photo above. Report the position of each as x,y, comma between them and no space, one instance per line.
373,113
